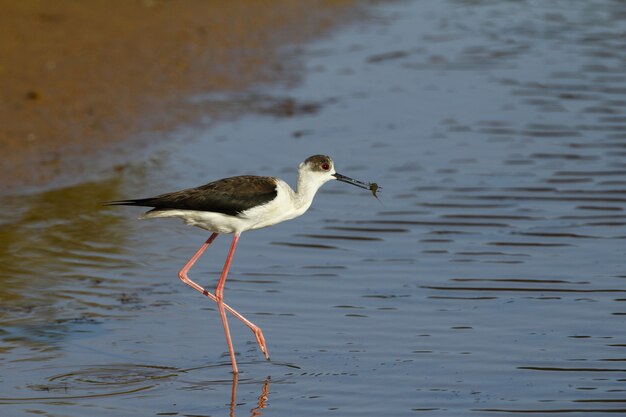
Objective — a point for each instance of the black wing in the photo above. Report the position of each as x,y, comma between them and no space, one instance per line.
228,196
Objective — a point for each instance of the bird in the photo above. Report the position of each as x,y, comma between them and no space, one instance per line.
235,205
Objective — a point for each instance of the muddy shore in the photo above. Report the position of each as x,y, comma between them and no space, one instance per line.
79,78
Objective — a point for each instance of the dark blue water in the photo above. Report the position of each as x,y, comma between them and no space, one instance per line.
488,280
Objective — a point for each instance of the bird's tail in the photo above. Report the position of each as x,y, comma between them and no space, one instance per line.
142,202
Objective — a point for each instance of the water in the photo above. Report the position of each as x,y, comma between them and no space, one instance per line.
488,279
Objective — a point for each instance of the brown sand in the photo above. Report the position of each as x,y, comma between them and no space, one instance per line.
77,77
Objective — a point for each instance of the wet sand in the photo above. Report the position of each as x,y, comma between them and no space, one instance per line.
79,78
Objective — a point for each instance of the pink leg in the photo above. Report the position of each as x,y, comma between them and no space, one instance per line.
183,277
233,396
219,294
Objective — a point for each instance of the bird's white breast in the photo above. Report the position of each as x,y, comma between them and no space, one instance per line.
285,206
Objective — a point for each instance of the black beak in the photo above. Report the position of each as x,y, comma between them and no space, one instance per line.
349,180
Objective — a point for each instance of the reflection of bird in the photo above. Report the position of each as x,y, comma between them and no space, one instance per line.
261,402
235,205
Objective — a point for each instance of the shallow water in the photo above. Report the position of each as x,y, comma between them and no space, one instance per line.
488,280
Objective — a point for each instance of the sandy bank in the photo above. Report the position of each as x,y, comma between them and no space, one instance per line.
77,77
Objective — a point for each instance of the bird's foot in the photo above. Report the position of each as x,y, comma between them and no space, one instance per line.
261,341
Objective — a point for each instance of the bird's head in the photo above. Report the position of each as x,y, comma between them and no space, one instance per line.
321,169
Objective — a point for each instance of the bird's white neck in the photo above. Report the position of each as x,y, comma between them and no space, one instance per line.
305,191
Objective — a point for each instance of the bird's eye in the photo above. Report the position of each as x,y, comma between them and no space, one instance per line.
325,166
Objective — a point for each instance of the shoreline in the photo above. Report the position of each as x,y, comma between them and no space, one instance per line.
77,79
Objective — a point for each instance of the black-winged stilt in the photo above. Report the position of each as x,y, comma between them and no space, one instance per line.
235,205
